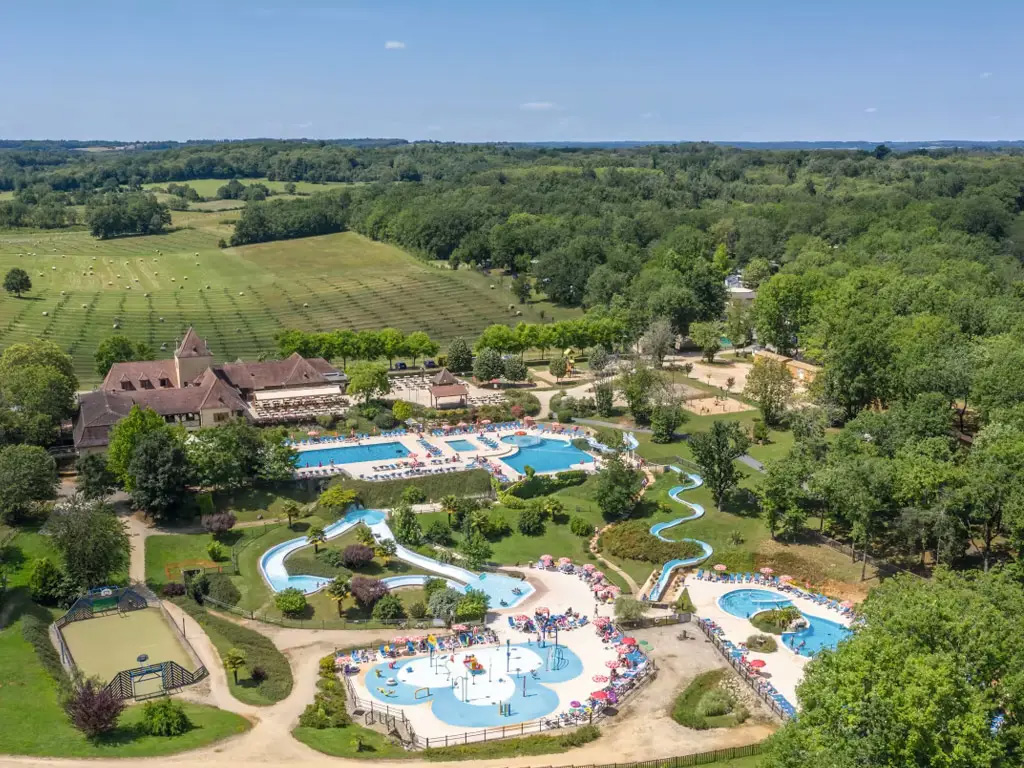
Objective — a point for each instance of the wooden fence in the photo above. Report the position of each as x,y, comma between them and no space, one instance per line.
681,761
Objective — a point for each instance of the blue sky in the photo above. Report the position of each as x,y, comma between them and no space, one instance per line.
516,70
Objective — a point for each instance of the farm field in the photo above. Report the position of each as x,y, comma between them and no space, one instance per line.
151,288
209,187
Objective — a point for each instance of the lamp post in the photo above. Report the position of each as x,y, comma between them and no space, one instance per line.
508,655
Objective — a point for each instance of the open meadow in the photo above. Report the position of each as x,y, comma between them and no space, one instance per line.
151,288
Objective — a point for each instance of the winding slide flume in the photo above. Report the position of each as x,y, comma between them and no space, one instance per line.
656,530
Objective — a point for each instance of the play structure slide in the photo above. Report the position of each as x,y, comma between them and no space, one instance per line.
695,481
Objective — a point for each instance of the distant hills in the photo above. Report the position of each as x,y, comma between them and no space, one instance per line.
898,146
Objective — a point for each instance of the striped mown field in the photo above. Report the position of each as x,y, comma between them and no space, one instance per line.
151,288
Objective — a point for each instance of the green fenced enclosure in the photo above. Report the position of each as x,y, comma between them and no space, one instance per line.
151,288
116,636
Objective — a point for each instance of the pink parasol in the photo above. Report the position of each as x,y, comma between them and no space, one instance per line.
720,567
599,695
599,575
624,650
564,561
600,678
612,663
589,567
459,627
546,557
542,609
847,604
757,664
602,621
766,570
787,577
312,433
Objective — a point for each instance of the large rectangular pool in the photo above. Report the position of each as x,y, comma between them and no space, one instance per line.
349,454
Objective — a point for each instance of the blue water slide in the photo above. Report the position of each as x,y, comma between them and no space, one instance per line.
697,511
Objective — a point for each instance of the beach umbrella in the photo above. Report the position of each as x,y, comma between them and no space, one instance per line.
522,617
312,433
624,649
847,604
564,561
599,695
599,575
575,704
766,570
546,557
589,567
629,641
720,567
787,577
757,664
612,663
459,627
600,678
542,609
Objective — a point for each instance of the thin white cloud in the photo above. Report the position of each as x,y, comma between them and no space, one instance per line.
647,115
985,75
303,125
871,109
394,45
433,128
538,106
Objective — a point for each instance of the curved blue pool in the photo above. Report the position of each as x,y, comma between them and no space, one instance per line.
819,633
744,603
544,454
349,454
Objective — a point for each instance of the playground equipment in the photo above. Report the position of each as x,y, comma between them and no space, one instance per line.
424,691
474,666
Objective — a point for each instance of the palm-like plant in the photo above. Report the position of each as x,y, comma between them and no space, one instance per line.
338,590
316,536
386,550
448,505
291,509
234,660
365,536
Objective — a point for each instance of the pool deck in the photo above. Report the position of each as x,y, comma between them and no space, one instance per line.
558,592
419,464
784,668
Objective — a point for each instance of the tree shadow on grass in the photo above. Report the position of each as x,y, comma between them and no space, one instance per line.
741,502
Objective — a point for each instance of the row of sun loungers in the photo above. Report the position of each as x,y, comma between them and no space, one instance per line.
774,581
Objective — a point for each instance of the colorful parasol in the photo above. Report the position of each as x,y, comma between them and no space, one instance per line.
767,571
629,641
720,567
599,695
589,567
757,664
612,663
600,678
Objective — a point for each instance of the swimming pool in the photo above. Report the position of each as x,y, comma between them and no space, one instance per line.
819,633
459,697
744,603
348,454
462,445
544,454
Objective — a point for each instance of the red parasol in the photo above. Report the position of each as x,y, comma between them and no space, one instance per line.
757,664
629,641
599,695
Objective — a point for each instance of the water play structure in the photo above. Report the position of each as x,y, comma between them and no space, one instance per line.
503,590
695,481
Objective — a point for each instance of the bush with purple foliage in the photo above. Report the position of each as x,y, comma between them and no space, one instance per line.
367,591
356,556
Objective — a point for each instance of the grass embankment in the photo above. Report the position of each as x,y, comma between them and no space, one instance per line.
259,652
705,703
339,743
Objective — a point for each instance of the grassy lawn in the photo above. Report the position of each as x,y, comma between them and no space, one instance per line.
688,709
35,724
259,652
338,742
238,298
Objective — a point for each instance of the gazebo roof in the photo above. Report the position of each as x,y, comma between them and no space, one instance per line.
449,390
444,377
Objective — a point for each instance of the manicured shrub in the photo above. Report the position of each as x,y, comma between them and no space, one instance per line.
164,717
531,522
290,602
368,591
388,608
222,589
762,643
714,703
93,708
219,523
327,709
258,674
438,532
216,551
173,589
581,526
356,556
633,540
777,620
418,610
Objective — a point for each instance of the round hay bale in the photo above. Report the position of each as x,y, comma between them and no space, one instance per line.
45,314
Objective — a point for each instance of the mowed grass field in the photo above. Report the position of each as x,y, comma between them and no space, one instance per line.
209,187
152,288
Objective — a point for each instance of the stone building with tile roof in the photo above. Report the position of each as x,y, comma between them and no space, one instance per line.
190,389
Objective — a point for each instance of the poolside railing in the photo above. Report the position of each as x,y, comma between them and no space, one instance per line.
683,761
756,683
